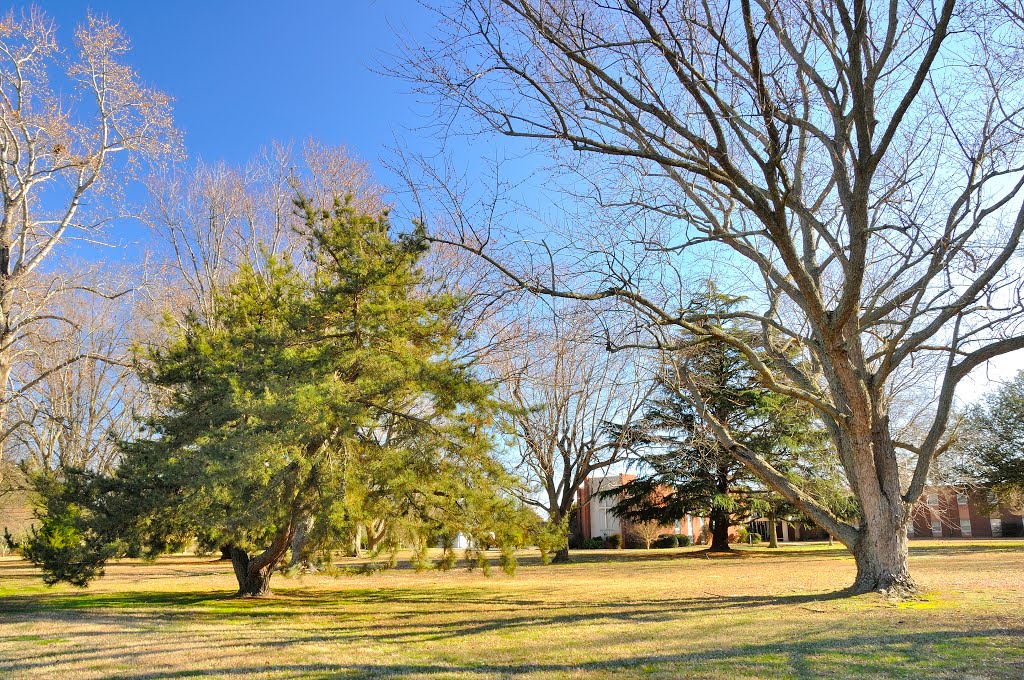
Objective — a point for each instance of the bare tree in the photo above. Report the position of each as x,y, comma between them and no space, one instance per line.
647,532
855,168
569,399
211,219
73,128
77,413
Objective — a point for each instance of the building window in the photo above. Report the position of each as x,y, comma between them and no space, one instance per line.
933,499
961,499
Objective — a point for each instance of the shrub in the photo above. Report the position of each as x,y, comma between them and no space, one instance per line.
670,541
755,538
742,533
549,537
685,541
613,541
592,544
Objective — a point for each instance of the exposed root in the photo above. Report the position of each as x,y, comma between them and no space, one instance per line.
889,586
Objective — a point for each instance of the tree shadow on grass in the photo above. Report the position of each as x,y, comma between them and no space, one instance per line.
411,613
919,654
905,655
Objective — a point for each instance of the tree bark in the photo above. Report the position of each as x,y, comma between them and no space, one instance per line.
719,531
719,516
357,541
253,573
881,556
880,549
225,552
299,541
562,554
773,541
375,532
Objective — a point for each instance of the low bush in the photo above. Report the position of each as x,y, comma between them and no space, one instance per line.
670,541
742,533
613,541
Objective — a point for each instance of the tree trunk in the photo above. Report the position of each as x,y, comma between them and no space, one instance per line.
719,516
375,532
773,540
562,554
225,552
357,541
719,531
254,573
881,557
880,548
299,541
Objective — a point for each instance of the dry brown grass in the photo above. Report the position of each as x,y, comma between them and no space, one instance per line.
611,614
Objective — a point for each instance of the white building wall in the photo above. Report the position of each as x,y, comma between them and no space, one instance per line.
602,521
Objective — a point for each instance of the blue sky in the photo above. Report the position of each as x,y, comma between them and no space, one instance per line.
244,73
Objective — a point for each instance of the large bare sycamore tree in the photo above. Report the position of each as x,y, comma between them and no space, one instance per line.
75,124
859,162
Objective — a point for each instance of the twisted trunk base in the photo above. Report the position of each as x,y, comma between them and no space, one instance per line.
253,573
252,582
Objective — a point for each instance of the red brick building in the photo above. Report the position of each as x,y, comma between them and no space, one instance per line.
595,518
946,512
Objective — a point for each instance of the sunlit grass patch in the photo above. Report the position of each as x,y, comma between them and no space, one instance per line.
612,614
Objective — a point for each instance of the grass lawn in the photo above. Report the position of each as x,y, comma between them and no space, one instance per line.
611,614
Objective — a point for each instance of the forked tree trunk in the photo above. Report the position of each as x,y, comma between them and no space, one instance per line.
253,573
375,532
